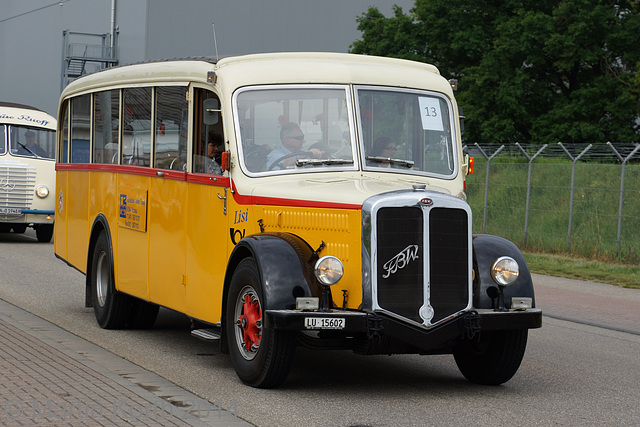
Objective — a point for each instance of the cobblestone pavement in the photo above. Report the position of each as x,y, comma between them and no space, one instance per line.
51,377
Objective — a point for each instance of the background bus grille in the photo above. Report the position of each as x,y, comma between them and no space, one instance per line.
17,181
401,284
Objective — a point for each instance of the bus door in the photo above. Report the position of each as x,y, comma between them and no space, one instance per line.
168,199
207,221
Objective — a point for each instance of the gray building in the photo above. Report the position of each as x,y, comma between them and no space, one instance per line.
33,62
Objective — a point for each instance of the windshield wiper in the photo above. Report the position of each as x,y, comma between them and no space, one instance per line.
397,162
319,162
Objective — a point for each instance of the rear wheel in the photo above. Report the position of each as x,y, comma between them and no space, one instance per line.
44,232
261,357
493,358
111,308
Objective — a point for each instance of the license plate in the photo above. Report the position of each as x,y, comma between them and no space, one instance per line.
324,322
13,211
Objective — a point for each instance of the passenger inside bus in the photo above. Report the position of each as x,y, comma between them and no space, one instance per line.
214,152
31,148
292,140
383,147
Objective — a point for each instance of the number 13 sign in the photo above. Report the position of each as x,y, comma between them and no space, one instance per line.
431,114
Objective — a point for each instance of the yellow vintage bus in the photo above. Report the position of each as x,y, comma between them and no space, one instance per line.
283,200
27,170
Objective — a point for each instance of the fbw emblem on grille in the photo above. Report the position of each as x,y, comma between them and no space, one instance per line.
6,185
400,261
426,201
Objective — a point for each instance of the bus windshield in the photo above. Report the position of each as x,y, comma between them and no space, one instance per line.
32,142
290,129
405,131
293,129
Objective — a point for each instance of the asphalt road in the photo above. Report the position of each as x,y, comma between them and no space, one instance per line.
572,374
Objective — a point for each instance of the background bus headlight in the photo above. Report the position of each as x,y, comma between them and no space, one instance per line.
505,270
42,191
329,270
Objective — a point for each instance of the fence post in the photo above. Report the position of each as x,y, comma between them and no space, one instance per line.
624,165
486,182
526,209
573,176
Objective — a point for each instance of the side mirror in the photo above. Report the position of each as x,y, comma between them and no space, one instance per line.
211,111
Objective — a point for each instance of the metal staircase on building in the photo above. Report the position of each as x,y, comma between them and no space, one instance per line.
83,53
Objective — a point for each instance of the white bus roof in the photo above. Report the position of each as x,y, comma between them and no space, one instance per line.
25,115
272,68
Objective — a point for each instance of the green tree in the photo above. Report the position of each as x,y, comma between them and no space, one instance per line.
531,71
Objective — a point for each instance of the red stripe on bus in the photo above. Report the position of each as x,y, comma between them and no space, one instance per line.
198,178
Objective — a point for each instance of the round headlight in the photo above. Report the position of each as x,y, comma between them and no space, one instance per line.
505,271
42,191
329,270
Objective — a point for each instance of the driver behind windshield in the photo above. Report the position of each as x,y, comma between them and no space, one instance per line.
292,140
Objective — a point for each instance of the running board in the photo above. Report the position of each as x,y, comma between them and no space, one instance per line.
206,334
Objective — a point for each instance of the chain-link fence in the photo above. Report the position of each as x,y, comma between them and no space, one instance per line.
583,200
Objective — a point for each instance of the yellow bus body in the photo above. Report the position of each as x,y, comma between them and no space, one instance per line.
294,198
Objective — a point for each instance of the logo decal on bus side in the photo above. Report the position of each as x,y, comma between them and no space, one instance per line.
236,234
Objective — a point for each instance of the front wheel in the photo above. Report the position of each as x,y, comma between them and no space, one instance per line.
491,358
261,357
111,308
44,232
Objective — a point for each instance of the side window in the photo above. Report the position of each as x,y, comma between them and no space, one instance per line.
105,126
172,115
136,128
3,138
64,137
208,139
80,128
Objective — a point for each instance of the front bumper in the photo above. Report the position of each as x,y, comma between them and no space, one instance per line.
375,324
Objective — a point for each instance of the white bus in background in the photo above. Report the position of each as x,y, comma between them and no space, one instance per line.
27,170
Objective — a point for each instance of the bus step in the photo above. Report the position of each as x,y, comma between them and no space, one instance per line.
206,334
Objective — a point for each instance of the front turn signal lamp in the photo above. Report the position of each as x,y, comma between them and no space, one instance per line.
329,270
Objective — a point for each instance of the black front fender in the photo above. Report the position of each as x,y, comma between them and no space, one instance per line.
486,250
284,264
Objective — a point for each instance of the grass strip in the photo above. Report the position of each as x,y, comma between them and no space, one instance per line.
572,267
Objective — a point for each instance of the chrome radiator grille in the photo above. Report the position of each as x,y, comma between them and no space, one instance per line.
420,270
17,181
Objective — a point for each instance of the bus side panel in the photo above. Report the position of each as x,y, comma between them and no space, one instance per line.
60,229
167,242
78,224
103,200
131,252
339,229
208,248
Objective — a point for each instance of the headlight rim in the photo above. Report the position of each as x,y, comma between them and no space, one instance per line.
499,278
322,278
42,191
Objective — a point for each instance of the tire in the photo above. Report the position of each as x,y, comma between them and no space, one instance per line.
19,228
112,308
143,314
261,357
44,232
492,359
